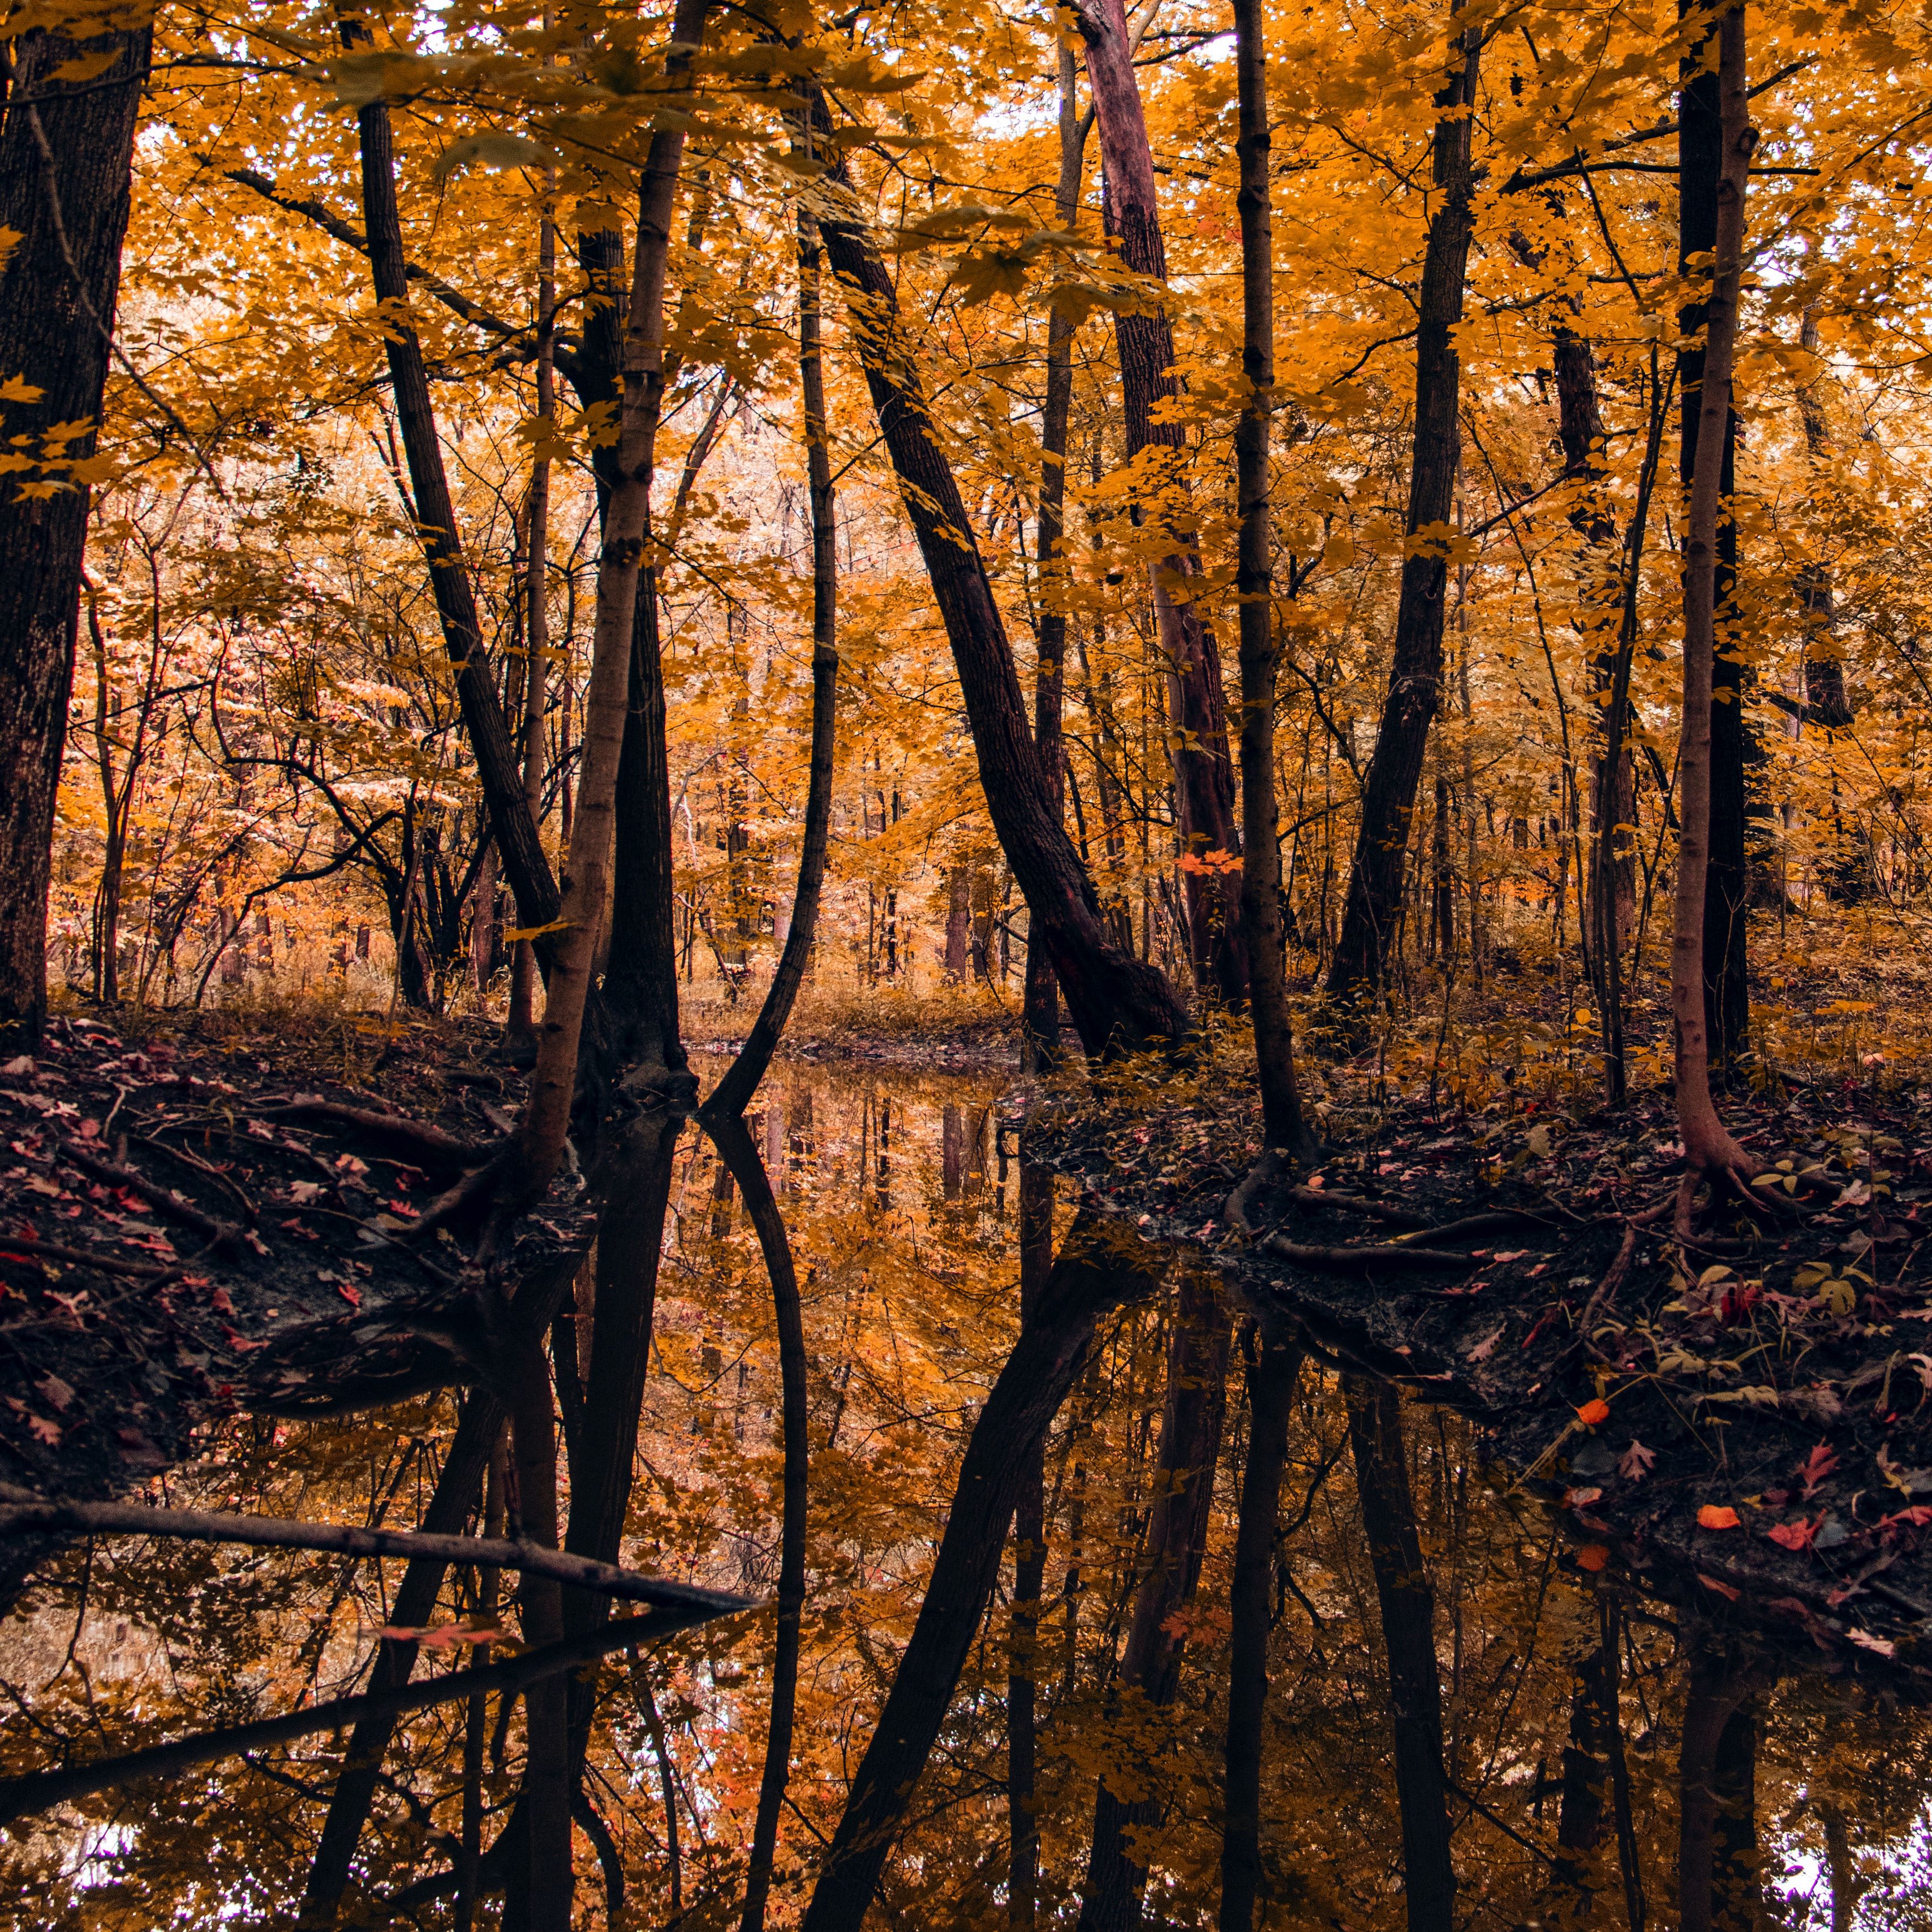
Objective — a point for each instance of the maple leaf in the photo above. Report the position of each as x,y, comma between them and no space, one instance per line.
1794,1536
1634,1465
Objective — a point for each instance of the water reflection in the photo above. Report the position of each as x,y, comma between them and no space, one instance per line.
965,1785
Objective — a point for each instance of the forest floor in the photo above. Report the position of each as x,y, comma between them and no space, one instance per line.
205,1214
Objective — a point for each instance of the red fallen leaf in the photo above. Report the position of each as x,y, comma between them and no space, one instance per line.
1634,1465
1718,1516
49,1433
55,1390
1795,1536
401,1207
1594,1414
350,1293
1576,1498
1723,1589
1592,1556
237,1341
1815,1467
1865,1640
220,1302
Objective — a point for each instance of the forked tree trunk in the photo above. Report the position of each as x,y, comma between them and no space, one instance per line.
499,769
1191,1416
1118,1003
66,151
1408,1604
733,1092
1415,664
1282,1123
1100,1264
1039,1022
1274,1366
1702,172
1708,1149
1203,773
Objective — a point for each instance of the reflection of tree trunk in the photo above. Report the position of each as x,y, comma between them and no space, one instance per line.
1190,1442
1840,1869
1584,1809
1036,1244
1203,773
1408,1605
1099,1265
65,153
415,1600
1274,1364
1717,1882
951,1152
1415,665
1117,1003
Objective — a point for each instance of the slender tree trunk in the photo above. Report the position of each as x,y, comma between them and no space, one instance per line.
734,1144
1585,1808
1040,1013
1369,920
732,1094
1282,1123
1409,1636
1191,1422
1099,1267
66,152
1708,1148
1203,772
1274,1366
356,1783
1713,1758
1827,701
1118,1003
1703,173
1036,1244
498,767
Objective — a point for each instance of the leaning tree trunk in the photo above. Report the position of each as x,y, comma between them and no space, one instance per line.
1415,664
1408,1637
1099,1265
1708,1149
1282,1123
66,152
1118,1002
1203,774
1702,172
1191,1422
498,768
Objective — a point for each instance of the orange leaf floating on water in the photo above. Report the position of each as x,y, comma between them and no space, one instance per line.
1593,1556
1594,1414
1717,1516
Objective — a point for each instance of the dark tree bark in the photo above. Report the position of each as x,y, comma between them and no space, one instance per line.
66,152
733,1092
1415,663
1829,703
1035,1242
1718,1881
1203,771
1274,1365
1584,1809
498,768
1117,1003
1100,1264
1726,885
356,1783
734,1144
1282,1123
1408,1637
1039,1018
1191,1420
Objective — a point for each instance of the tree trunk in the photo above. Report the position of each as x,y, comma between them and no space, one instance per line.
1409,1636
1098,1266
1039,1019
1415,665
498,769
1274,1366
1703,174
1190,1443
1260,899
733,1092
1118,1003
66,151
1716,1880
1585,1808
1203,772
1708,1148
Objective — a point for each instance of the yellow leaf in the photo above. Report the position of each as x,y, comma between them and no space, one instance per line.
534,931
85,67
17,388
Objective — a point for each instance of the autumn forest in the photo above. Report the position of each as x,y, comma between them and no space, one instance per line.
966,966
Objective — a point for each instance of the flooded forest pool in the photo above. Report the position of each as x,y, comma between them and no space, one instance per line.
906,1208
